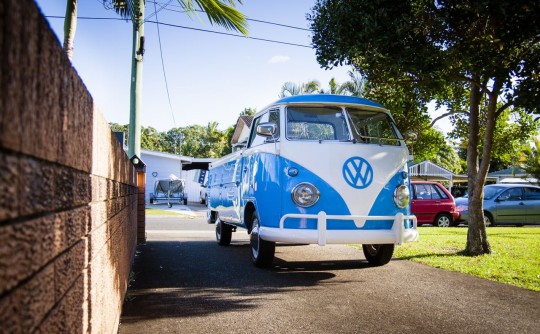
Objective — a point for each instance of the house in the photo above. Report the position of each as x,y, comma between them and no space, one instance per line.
513,175
241,132
161,165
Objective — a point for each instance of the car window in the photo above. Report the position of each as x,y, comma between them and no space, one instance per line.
422,191
512,194
437,192
491,191
434,192
531,194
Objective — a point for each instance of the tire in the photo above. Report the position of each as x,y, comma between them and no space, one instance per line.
223,233
202,200
262,251
169,205
443,220
185,200
488,220
378,255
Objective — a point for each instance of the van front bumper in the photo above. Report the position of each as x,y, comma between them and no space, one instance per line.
398,234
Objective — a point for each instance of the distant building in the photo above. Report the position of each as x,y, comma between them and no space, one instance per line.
241,132
161,165
513,175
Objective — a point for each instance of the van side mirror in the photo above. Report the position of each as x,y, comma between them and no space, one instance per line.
267,129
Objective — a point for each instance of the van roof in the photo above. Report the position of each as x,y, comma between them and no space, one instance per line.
328,98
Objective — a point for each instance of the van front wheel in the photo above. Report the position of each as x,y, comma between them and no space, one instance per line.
378,255
262,251
223,233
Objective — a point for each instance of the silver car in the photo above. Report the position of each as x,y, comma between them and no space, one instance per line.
512,204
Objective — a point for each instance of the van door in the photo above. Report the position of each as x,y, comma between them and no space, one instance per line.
260,170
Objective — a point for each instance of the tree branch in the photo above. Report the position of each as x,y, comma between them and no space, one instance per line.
448,114
503,108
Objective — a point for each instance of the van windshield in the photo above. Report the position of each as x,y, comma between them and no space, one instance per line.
316,123
332,123
373,127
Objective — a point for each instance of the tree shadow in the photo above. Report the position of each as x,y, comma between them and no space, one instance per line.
197,278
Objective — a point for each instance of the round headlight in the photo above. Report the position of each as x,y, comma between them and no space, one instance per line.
305,194
402,196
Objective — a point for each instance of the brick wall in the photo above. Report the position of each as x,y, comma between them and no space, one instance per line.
68,193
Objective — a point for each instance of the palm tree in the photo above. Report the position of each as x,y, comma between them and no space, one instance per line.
290,88
356,86
335,88
532,159
221,12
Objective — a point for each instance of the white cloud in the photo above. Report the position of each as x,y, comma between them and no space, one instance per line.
279,59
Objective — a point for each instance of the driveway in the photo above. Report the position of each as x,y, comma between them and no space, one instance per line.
185,283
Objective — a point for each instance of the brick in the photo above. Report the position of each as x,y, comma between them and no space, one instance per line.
9,185
68,267
99,188
9,315
70,227
48,90
82,192
24,248
68,315
36,191
36,298
98,239
11,92
37,137
63,188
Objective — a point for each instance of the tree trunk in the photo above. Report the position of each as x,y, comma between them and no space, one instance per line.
70,25
477,240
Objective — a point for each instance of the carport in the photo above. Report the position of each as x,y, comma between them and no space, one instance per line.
428,171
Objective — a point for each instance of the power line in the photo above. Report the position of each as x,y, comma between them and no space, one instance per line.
158,10
88,18
190,28
163,66
230,34
247,19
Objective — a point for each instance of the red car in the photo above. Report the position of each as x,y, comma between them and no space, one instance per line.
433,204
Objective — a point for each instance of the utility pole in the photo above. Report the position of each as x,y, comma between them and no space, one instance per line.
134,143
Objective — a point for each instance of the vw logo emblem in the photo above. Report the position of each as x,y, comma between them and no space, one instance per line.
357,172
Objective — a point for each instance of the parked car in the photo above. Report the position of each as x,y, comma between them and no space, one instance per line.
433,204
509,204
203,195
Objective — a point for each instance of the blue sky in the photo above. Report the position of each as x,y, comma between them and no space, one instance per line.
210,77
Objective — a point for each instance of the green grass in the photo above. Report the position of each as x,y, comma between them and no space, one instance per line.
515,257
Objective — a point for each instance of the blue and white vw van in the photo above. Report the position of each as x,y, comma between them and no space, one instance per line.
317,169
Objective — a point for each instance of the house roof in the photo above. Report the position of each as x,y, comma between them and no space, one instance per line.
181,158
243,121
512,171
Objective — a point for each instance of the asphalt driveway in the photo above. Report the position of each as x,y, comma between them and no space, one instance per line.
185,283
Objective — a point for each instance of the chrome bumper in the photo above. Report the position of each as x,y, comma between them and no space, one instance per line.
398,234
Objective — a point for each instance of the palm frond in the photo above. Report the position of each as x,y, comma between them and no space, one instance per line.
218,12
125,8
